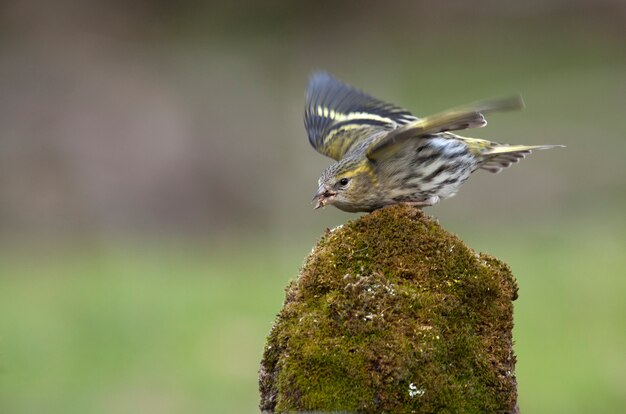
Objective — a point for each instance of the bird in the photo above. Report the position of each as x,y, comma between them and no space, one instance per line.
385,155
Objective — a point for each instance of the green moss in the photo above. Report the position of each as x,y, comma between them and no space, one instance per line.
393,314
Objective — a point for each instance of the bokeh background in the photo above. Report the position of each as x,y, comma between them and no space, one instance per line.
155,185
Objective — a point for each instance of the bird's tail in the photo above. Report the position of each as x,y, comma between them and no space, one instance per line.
501,156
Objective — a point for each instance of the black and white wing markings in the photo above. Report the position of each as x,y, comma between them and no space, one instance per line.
337,115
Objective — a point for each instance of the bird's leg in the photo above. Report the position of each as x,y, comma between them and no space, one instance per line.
431,201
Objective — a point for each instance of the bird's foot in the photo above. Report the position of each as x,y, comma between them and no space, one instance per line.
431,201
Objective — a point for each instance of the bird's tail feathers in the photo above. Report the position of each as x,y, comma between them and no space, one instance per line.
497,158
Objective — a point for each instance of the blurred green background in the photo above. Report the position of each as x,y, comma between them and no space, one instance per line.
155,180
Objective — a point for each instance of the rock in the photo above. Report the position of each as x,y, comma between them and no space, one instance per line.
393,314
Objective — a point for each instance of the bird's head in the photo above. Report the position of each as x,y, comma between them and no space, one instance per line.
347,185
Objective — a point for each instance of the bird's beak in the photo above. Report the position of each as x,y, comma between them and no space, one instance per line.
322,196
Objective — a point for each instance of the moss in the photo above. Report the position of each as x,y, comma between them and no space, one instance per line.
393,314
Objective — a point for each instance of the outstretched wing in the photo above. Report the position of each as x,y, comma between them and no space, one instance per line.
337,116
470,116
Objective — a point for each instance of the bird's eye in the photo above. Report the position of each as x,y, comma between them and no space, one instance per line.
343,182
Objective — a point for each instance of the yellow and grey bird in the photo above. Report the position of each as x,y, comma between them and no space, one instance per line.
385,155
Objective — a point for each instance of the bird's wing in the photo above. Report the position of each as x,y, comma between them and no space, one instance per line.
469,116
337,116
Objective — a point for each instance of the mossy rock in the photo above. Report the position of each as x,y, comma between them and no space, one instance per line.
393,314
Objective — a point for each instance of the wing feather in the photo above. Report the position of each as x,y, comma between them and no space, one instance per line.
337,116
469,116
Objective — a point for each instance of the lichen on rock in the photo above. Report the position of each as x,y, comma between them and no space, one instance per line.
393,314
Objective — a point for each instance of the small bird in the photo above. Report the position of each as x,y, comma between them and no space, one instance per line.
385,155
